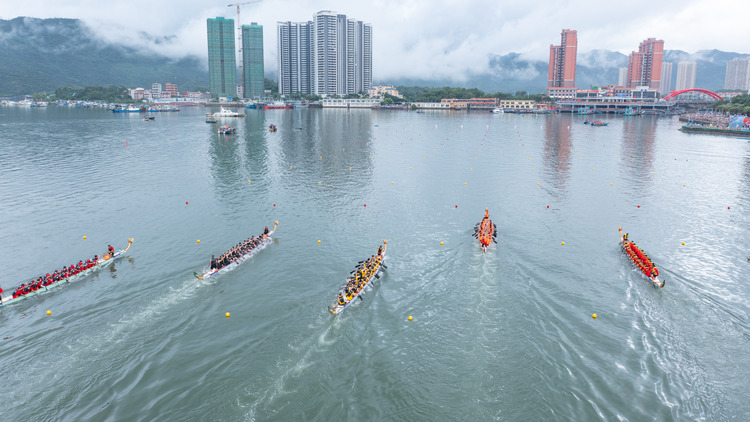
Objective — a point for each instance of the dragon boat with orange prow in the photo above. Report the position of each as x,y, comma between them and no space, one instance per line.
641,260
361,280
485,231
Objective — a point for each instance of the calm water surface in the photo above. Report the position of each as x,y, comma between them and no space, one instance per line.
506,335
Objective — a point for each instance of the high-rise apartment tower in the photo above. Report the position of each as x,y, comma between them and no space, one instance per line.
644,66
252,60
562,60
222,63
666,79
738,74
330,55
685,75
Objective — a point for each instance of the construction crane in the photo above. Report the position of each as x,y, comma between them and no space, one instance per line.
239,40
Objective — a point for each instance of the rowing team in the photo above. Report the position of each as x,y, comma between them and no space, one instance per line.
640,259
238,251
485,231
360,278
59,275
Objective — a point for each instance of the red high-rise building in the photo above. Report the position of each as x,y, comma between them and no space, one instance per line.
644,66
562,61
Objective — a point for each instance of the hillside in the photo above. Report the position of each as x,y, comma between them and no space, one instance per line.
44,54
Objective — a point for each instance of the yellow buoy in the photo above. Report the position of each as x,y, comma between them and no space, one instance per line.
441,243
290,166
84,237
249,181
227,314
683,243
465,184
539,184
318,241
391,182
321,157
410,318
593,316
593,169
563,243
198,241
350,168
320,183
49,312
610,184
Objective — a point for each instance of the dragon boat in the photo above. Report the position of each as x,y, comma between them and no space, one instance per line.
485,231
641,260
102,262
362,280
265,240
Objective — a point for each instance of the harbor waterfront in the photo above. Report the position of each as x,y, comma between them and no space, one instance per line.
448,332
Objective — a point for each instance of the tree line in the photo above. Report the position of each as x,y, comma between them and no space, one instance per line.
737,105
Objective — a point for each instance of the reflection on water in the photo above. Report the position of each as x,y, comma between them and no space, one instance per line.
637,151
557,151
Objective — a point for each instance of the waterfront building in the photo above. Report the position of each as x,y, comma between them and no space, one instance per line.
685,75
666,78
351,102
252,60
156,90
738,74
644,66
562,61
432,106
330,55
379,90
622,77
518,104
561,92
171,90
222,62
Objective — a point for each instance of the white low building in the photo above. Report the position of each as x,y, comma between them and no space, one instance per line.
350,102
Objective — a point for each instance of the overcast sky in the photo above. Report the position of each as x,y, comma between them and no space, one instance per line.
424,39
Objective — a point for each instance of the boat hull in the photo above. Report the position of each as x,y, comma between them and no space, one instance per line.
208,273
99,265
337,308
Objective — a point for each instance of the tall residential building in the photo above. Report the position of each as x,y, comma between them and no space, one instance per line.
562,60
622,78
666,78
222,62
252,60
738,74
685,75
644,66
330,55
294,59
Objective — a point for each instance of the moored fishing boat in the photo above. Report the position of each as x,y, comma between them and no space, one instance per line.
264,240
641,260
485,231
362,279
102,262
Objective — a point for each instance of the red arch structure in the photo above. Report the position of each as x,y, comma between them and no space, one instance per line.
713,95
